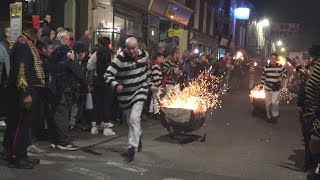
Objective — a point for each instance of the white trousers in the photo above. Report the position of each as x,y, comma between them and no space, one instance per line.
272,108
154,104
133,116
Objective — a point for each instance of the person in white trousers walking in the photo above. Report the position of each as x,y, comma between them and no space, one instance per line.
272,76
129,77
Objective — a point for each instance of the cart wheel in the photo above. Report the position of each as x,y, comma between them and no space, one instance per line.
203,138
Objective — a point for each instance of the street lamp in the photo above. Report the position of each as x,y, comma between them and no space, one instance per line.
265,23
279,43
283,49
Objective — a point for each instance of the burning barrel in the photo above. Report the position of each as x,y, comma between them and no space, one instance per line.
258,101
179,120
184,112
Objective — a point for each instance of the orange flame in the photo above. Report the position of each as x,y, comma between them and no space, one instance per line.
198,96
257,93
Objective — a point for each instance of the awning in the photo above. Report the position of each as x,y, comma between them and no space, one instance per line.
199,38
172,10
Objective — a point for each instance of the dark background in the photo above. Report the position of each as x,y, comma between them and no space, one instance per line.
304,12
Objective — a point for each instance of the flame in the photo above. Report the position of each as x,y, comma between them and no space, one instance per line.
282,60
239,55
257,93
199,96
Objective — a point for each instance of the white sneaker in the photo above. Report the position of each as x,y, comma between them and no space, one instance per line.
53,146
94,130
108,132
2,124
69,147
35,150
109,125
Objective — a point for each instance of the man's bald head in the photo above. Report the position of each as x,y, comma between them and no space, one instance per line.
131,42
132,47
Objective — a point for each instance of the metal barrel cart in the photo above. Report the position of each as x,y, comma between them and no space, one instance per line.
183,122
259,107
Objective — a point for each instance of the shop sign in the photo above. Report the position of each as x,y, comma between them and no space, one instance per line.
175,32
15,20
285,29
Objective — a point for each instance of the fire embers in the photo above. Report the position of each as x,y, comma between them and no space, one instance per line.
285,95
201,95
257,93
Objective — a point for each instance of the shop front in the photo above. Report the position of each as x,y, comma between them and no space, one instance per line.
171,19
119,20
202,43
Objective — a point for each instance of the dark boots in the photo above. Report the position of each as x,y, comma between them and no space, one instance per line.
129,155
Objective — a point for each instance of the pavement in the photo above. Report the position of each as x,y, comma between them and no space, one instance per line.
238,147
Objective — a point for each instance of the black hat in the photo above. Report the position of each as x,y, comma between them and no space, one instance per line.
79,47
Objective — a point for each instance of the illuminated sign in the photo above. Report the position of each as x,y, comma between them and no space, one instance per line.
242,13
175,32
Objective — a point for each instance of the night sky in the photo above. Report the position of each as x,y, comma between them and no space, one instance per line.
304,12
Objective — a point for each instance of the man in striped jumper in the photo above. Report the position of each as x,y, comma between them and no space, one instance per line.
127,74
272,75
311,109
156,75
171,71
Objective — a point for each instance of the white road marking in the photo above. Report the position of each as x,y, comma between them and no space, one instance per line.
66,156
127,167
88,172
46,162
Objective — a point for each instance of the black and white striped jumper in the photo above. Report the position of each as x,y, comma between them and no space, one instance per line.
156,75
168,70
270,76
312,94
132,75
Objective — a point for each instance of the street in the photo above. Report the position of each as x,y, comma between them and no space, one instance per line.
237,147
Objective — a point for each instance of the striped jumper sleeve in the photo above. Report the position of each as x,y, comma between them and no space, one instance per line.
156,75
312,91
132,75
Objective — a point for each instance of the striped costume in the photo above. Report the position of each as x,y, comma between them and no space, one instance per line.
168,70
157,77
271,75
312,99
271,83
132,75
171,79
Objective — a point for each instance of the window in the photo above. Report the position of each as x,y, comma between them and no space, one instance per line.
205,14
196,14
211,31
123,26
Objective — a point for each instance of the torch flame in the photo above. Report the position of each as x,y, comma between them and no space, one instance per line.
257,93
199,96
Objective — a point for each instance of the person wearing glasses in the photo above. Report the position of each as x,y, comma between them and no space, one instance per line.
272,76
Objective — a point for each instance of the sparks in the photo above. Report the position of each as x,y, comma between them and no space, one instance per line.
200,95
285,95
257,93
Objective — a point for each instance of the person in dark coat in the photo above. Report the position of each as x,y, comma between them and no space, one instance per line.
26,80
65,81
